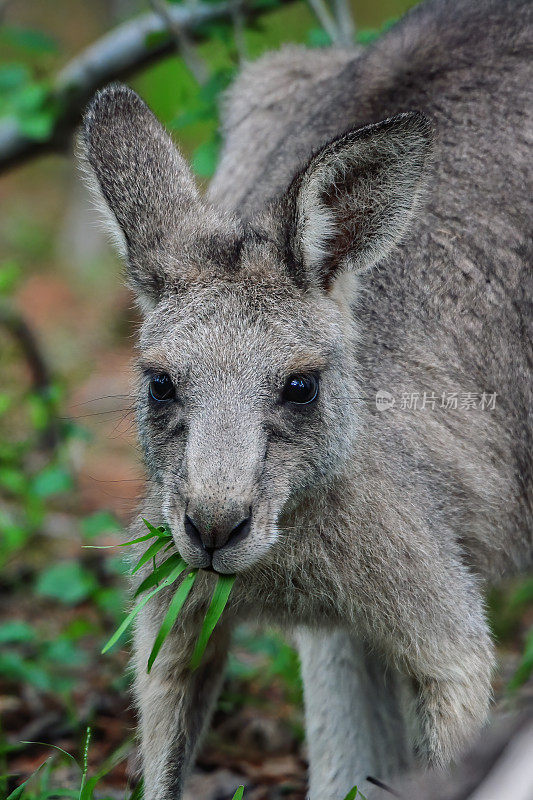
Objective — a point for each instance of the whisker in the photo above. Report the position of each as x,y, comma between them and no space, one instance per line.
97,399
115,480
128,409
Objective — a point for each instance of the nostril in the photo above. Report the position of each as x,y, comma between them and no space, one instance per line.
240,531
210,537
192,531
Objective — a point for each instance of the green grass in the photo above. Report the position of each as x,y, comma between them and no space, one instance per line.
37,786
163,576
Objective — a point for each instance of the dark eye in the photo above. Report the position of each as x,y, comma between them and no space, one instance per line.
300,389
162,388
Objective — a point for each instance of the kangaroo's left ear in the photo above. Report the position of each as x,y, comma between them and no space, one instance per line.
148,191
356,197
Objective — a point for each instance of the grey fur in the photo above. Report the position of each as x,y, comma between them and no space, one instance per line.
372,532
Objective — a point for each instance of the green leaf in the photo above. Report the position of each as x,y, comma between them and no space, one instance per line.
214,612
37,126
39,412
18,667
30,98
109,764
140,539
133,613
219,81
86,795
318,37
98,523
52,480
87,790
191,117
146,538
205,158
17,793
13,76
13,480
29,39
54,747
160,573
64,652
352,794
161,531
174,608
152,551
16,631
68,582
239,793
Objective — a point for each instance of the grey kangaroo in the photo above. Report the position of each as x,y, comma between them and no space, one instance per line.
366,234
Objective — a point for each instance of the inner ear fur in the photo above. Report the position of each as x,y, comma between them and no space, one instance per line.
356,197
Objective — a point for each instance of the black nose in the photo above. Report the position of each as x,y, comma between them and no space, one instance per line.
213,534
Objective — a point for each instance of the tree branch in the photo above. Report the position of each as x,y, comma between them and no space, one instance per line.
185,47
345,23
115,56
324,16
237,16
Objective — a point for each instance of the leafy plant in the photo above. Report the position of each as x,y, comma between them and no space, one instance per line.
27,102
68,581
88,785
163,576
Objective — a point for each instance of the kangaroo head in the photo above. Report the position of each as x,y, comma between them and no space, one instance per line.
247,398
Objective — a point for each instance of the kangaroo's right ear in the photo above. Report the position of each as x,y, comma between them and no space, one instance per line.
148,190
356,197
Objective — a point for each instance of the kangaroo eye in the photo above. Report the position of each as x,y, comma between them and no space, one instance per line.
300,389
162,388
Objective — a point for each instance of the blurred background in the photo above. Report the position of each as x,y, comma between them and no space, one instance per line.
70,468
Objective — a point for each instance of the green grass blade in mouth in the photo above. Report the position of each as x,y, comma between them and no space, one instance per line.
355,793
140,539
161,531
176,604
162,576
160,573
214,612
239,793
352,794
133,613
152,551
144,538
